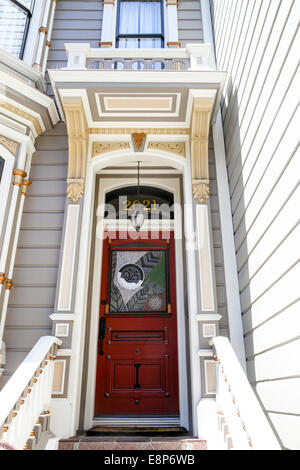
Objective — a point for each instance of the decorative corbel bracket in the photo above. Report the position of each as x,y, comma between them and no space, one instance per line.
139,141
200,124
78,147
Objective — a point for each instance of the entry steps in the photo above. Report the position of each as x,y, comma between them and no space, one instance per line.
132,443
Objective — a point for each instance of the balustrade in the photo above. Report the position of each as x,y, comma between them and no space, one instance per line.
241,418
25,401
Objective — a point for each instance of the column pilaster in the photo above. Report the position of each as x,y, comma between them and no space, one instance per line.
207,318
65,312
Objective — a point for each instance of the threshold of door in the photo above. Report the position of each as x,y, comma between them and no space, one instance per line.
133,432
137,421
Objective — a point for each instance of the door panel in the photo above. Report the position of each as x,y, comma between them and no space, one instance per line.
137,355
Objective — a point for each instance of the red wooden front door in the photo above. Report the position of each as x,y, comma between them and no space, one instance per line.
137,369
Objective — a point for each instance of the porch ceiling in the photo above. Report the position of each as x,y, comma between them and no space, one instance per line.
137,98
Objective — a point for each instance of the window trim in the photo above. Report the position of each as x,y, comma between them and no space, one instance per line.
140,36
28,12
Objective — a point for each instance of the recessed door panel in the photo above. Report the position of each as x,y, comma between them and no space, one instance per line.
137,355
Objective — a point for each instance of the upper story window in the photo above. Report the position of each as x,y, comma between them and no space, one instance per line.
140,24
14,23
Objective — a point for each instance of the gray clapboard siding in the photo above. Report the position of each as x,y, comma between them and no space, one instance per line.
189,22
36,266
75,21
257,42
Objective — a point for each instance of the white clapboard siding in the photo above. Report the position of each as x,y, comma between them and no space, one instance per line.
276,330
281,226
286,422
278,363
271,395
257,42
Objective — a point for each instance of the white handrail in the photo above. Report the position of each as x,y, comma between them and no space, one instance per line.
28,393
247,424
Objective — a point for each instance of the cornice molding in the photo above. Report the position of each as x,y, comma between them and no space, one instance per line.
146,130
19,112
22,71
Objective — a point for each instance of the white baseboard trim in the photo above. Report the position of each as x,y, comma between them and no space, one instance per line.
136,421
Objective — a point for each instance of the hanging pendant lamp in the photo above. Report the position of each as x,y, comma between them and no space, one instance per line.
138,218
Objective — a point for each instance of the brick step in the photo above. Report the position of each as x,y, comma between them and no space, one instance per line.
133,443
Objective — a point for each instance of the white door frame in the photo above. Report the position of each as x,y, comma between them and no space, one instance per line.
108,184
94,167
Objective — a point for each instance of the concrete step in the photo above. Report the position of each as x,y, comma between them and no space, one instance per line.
133,443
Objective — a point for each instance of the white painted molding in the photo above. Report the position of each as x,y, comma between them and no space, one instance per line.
61,374
64,352
209,91
77,56
33,33
171,16
192,291
208,317
62,316
5,184
62,330
212,377
108,26
207,287
209,330
69,257
199,55
230,265
207,29
106,185
49,36
32,93
18,67
205,353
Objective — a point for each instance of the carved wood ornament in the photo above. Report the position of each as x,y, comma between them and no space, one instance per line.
199,148
78,134
11,145
177,148
100,148
139,140
78,147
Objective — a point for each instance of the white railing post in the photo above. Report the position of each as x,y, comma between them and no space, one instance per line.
77,55
27,395
246,424
199,56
